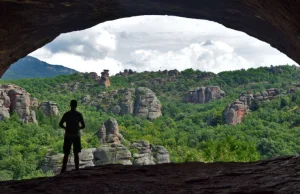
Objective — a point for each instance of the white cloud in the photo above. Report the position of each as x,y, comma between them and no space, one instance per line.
159,42
206,56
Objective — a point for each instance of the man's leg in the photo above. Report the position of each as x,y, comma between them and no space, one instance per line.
76,161
76,150
67,149
65,161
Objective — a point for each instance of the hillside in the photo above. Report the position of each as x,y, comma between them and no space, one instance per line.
189,131
30,67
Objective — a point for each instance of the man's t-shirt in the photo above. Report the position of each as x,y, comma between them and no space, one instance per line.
72,119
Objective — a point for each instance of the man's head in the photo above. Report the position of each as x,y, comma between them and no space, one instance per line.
73,104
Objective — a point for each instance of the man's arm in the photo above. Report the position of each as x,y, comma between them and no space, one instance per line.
61,123
82,123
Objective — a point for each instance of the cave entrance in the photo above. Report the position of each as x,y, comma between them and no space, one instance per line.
29,25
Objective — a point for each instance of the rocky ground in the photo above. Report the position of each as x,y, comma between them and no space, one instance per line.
279,175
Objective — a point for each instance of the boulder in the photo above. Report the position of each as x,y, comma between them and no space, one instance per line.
112,154
4,105
4,112
203,95
93,76
235,112
127,101
109,132
116,109
53,163
161,154
104,80
49,108
174,72
144,157
75,87
140,102
146,104
34,103
86,99
20,103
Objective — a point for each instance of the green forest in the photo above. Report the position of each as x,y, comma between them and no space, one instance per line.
190,132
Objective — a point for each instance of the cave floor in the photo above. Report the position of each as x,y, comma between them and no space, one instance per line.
278,175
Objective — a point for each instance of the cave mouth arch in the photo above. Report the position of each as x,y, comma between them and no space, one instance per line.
28,25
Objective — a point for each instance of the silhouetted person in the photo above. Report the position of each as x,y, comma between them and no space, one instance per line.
72,119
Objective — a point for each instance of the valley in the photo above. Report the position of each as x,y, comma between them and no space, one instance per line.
234,116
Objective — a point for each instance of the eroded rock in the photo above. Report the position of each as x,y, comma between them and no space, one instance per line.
112,154
49,108
144,157
235,112
53,163
104,80
141,102
203,95
161,154
109,132
20,103
146,104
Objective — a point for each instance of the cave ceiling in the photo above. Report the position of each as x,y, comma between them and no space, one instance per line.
26,25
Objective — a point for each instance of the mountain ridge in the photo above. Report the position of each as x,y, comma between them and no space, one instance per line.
31,67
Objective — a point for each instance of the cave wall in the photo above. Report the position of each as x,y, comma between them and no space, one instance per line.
26,25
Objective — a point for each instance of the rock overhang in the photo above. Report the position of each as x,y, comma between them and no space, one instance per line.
27,25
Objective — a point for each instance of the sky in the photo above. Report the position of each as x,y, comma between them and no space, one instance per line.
152,43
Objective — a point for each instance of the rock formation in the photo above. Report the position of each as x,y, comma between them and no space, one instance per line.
15,99
4,105
174,72
160,154
293,89
104,80
149,154
112,151
161,81
75,86
276,70
206,75
235,112
253,17
34,103
141,102
54,162
127,102
126,73
86,99
112,154
144,155
109,132
49,108
19,102
203,95
94,76
146,104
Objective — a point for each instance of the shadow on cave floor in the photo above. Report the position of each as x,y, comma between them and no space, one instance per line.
278,175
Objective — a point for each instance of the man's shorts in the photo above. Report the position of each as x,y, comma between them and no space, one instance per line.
68,141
